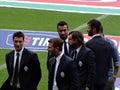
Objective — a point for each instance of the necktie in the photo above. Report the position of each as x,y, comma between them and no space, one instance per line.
16,73
74,54
53,68
65,48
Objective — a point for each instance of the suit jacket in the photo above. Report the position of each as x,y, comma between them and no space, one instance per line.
103,53
50,56
30,71
66,76
86,67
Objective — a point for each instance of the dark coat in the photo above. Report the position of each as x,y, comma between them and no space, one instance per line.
86,67
66,77
103,53
30,71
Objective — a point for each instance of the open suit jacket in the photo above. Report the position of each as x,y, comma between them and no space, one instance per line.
30,71
86,66
103,53
66,76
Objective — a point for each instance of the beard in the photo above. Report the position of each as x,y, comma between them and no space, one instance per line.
90,33
53,53
73,46
63,37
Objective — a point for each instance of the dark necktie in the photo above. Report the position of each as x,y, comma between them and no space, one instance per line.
53,68
65,48
16,73
74,54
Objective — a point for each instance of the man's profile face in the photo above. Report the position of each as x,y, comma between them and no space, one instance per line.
89,30
18,43
51,49
63,32
71,41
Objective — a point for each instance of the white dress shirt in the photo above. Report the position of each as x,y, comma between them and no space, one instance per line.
55,87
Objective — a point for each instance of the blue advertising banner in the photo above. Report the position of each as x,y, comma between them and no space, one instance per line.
33,40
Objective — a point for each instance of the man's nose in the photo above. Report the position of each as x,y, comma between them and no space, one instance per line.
18,43
63,32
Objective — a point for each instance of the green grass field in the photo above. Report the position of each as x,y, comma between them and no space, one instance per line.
40,20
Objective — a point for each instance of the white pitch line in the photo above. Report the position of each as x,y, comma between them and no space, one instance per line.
85,24
2,67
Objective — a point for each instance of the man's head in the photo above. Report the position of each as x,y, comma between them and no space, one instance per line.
55,46
94,27
75,39
18,40
62,28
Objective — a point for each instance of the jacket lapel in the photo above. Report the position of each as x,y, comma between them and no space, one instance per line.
11,61
23,57
61,63
80,53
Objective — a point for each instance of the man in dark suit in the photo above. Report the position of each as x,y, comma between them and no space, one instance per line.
85,60
113,70
103,53
62,70
23,66
63,30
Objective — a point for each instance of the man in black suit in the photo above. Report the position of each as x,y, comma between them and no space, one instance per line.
63,30
23,66
62,70
103,53
85,60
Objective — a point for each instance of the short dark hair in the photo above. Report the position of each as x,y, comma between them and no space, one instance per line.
18,34
57,42
77,35
96,24
62,23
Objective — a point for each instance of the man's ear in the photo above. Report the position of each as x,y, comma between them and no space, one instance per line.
94,31
57,48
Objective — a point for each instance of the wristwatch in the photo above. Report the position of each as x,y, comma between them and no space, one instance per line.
86,88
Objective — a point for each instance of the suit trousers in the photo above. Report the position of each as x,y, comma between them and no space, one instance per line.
99,87
110,85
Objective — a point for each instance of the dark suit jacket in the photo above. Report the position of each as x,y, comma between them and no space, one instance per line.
50,56
66,77
86,67
103,53
30,71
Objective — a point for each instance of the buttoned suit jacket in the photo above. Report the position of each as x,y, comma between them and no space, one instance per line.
86,66
50,56
103,53
30,70
66,76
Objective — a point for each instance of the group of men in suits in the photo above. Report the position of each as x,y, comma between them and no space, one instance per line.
72,63
84,61
93,59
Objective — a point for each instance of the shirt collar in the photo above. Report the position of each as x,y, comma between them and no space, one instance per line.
96,35
20,52
59,57
66,40
78,49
